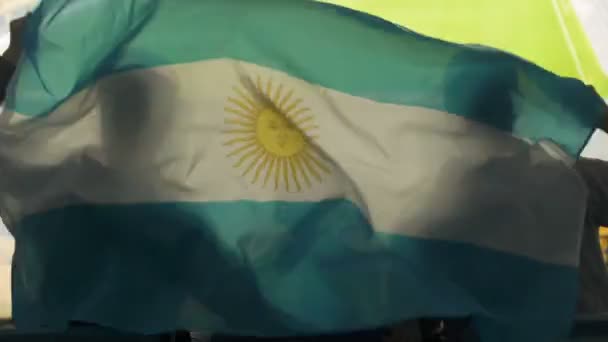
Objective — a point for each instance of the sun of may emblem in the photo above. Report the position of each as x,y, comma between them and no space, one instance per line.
269,134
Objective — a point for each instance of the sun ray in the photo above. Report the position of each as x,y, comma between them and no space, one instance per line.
261,167
242,149
238,131
309,153
244,106
294,173
269,170
259,83
285,99
293,105
277,174
240,140
309,128
297,112
269,88
304,120
277,94
239,122
254,161
247,156
247,98
311,169
296,159
249,116
285,171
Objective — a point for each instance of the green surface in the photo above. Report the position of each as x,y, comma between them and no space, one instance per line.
538,30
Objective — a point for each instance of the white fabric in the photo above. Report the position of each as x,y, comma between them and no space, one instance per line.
156,135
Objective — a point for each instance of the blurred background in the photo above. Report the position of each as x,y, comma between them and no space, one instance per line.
567,37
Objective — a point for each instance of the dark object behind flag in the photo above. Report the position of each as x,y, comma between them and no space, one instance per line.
6,72
594,277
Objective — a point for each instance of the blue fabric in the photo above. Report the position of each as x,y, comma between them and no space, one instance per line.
323,44
273,269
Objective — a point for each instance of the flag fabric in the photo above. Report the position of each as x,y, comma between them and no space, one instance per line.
282,168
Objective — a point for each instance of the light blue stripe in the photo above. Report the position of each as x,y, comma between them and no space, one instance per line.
272,268
327,45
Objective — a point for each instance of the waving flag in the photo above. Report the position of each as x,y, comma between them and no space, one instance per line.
285,168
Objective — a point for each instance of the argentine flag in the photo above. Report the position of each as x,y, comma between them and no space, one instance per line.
277,168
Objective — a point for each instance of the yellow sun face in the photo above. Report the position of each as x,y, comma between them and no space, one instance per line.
269,136
278,135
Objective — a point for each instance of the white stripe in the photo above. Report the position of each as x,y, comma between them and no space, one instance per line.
568,38
155,135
